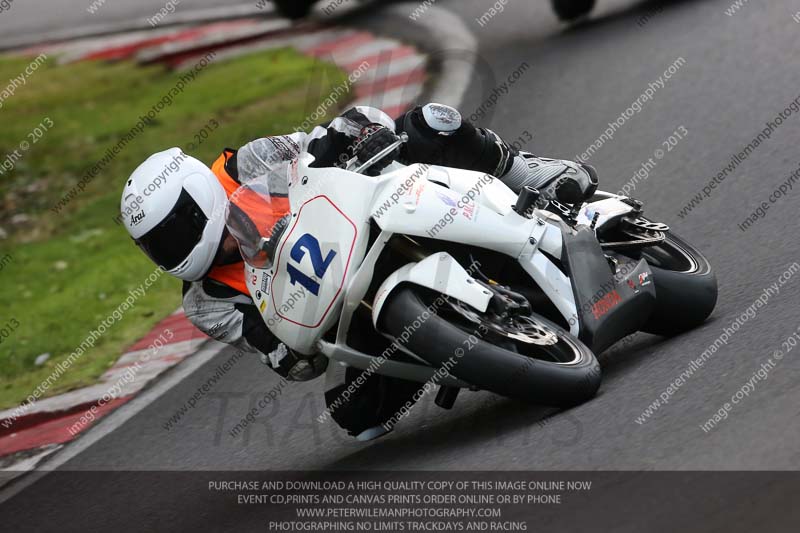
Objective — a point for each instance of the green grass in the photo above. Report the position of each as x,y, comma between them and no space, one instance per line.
68,271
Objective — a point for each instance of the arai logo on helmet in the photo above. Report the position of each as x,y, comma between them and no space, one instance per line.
137,217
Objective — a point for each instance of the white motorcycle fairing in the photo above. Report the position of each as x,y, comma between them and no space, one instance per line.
322,268
299,297
439,272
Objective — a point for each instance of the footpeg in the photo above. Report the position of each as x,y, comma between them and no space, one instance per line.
446,397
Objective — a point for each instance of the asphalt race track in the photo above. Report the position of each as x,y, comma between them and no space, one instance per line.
733,74
62,16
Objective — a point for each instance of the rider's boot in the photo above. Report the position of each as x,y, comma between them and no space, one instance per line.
438,135
566,181
373,433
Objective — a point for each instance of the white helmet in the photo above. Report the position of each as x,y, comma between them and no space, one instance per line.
174,208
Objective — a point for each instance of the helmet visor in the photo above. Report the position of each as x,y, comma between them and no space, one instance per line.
171,242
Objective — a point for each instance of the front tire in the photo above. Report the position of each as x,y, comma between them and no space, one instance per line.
491,367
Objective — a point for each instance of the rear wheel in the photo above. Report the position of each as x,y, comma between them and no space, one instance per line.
686,287
572,9
526,357
294,9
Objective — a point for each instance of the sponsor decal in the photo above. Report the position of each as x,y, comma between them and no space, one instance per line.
265,278
379,296
644,279
606,304
262,306
136,218
418,193
633,286
215,331
469,211
294,176
446,199
283,148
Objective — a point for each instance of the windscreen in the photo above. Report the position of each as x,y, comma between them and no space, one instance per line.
252,213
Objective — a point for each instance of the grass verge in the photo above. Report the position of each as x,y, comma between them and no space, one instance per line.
62,274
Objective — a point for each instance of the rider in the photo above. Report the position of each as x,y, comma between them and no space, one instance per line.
173,207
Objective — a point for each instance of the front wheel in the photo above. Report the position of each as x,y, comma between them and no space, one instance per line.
527,358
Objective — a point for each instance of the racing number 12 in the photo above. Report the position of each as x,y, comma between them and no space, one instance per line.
309,243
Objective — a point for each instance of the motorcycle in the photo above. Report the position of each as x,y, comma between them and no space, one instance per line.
442,275
566,10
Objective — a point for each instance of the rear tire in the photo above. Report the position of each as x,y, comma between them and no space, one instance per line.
571,9
489,366
685,296
294,9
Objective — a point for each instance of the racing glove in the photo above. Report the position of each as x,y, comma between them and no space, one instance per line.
371,141
295,366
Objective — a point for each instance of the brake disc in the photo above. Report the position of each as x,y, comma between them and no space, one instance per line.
533,333
520,328
645,224
643,233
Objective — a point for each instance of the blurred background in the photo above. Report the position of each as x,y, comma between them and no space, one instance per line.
81,74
